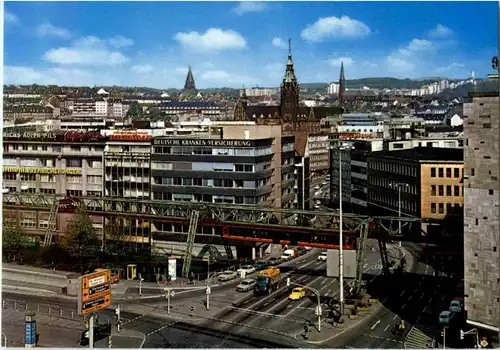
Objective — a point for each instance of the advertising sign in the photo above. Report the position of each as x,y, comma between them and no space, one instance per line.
30,334
33,136
172,269
85,137
201,143
54,171
130,136
354,135
94,292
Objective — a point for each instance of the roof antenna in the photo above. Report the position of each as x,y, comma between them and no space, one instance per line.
289,47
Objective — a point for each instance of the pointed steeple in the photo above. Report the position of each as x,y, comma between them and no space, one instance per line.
189,84
341,84
289,73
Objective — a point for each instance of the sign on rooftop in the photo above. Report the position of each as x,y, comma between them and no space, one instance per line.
94,292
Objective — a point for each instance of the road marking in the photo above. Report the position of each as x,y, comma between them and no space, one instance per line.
395,316
323,282
161,328
426,269
442,298
422,296
425,309
404,305
375,325
386,328
411,296
403,292
365,265
328,291
430,300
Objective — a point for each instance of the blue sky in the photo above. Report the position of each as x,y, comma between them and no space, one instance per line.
243,44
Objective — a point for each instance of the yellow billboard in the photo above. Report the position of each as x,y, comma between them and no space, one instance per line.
54,171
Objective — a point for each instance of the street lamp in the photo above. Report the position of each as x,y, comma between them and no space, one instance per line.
399,185
315,291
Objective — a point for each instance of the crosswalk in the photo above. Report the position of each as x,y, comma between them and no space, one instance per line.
418,338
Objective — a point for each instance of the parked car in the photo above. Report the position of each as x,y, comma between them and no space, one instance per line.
261,265
322,256
456,306
297,294
302,250
317,187
246,285
248,269
228,276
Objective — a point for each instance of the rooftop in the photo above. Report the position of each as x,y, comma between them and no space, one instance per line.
424,154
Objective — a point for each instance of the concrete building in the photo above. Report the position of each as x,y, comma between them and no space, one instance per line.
259,92
317,149
333,88
53,163
481,221
430,181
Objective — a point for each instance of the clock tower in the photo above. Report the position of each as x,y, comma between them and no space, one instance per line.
289,103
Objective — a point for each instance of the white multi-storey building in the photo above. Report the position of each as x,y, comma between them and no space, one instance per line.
333,88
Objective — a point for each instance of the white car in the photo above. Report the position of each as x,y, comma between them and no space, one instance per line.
316,206
228,276
322,256
317,187
248,269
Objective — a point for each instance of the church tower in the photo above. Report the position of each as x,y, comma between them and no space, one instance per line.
289,104
189,86
341,85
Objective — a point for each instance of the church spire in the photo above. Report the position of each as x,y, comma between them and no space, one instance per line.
189,85
341,84
289,73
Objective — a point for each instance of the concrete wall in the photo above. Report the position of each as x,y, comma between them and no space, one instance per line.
481,214
332,263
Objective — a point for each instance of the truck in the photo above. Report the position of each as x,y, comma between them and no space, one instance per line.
267,280
289,254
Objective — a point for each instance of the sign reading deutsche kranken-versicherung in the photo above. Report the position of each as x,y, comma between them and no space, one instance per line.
208,143
94,292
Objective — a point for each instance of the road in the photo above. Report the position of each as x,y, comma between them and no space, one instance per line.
276,313
417,297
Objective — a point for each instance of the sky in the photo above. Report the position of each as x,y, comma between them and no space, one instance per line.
244,44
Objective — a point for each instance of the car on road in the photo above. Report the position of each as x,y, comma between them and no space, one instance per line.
297,294
274,261
302,250
317,187
317,206
247,269
246,285
324,183
446,318
228,276
261,265
456,306
322,256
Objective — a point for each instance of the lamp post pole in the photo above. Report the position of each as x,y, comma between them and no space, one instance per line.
399,185
341,248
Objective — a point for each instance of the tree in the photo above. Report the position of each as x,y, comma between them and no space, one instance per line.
114,244
80,240
12,234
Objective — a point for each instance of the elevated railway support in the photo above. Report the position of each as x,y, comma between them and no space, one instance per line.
360,258
230,223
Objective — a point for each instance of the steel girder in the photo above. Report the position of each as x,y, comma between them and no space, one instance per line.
216,213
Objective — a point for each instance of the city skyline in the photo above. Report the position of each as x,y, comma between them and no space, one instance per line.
234,44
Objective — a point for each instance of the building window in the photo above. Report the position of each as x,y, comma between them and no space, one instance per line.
433,208
28,177
457,190
47,178
45,148
9,176
456,172
449,208
472,172
490,192
448,172
433,172
433,190
48,190
74,193
441,190
178,181
441,208
74,163
440,172
448,190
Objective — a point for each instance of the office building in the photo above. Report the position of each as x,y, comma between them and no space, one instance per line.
429,180
54,163
481,213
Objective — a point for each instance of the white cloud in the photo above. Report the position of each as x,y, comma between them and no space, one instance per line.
181,70
142,68
249,6
334,27
451,68
279,43
48,29
86,51
336,62
404,61
214,39
440,31
120,41
57,75
10,18
399,66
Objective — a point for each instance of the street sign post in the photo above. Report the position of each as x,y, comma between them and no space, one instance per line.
94,293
